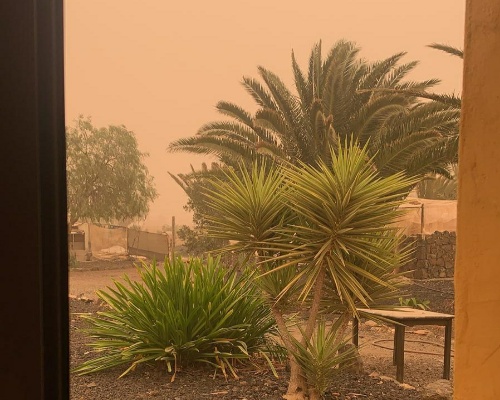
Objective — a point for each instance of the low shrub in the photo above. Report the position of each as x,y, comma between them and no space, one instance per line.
322,357
179,314
413,302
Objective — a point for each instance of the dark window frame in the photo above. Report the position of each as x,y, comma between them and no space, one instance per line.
34,339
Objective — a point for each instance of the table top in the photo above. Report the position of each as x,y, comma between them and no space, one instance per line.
402,313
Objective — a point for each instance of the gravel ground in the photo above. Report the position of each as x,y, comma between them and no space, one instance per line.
257,382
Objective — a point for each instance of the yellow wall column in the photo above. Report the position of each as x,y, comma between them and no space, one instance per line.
477,275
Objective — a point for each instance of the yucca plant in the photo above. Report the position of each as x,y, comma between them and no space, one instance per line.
179,314
321,357
320,233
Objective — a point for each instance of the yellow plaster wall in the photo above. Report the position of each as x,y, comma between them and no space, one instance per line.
477,274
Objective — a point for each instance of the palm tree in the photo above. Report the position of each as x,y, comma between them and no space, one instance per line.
340,96
321,234
444,186
452,103
450,100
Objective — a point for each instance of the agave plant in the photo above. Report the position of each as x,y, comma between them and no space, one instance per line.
316,231
179,314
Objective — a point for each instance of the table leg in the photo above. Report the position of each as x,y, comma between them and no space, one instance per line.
394,346
447,350
400,352
355,331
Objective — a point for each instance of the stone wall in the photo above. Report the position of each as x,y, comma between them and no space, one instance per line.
433,255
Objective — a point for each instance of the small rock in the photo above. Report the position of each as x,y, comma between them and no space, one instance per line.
438,390
406,386
85,299
421,332
374,374
371,323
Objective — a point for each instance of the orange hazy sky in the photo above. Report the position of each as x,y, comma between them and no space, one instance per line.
160,66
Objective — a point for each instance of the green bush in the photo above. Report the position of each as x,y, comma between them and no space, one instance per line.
180,314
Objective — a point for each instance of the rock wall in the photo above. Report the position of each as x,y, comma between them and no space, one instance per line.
433,256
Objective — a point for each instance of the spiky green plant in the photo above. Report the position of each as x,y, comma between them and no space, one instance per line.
319,232
344,211
321,357
179,314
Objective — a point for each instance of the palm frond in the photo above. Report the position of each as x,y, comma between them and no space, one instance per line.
448,49
234,111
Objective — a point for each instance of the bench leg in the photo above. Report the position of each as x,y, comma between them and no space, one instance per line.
447,350
399,348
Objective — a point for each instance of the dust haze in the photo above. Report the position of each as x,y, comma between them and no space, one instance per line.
159,67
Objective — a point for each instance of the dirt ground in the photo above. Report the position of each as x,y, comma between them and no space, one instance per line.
423,355
87,277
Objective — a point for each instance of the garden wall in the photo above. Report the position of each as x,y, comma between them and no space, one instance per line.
116,242
433,255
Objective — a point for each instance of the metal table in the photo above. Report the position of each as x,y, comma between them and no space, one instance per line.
403,317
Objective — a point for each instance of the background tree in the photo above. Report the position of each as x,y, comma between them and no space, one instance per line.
340,95
196,240
107,179
444,187
443,184
440,187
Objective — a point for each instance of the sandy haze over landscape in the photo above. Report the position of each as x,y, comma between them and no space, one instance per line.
160,66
